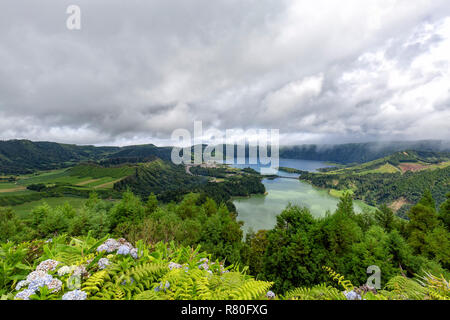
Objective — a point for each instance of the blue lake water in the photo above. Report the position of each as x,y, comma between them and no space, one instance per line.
260,211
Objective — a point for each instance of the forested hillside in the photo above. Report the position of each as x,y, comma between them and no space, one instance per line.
359,152
23,156
170,182
398,180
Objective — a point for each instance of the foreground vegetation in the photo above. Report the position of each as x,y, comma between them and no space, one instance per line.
108,269
301,258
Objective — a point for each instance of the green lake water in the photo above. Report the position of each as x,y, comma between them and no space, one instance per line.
259,212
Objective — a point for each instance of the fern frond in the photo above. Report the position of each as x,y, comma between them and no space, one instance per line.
346,284
95,282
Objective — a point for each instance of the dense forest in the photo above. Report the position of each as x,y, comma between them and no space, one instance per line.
314,255
170,182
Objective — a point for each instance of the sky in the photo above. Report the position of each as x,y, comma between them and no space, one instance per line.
319,71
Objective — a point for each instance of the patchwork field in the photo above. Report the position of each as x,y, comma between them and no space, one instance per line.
58,186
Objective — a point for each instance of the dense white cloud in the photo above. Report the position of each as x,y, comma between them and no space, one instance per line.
322,71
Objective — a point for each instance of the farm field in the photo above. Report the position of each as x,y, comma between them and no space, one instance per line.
23,210
77,176
59,186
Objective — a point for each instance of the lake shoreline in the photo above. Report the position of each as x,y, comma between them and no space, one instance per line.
259,212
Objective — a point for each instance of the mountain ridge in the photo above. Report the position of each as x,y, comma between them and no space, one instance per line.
25,156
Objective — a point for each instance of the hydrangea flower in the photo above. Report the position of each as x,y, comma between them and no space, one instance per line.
47,265
75,295
204,266
124,282
55,285
24,295
103,263
162,286
80,271
352,295
270,295
123,250
64,270
134,253
173,265
35,275
22,284
109,246
40,282
102,248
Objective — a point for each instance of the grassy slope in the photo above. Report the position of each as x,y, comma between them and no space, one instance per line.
83,177
395,162
418,163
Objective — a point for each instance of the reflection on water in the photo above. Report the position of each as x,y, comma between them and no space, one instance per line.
259,212
305,165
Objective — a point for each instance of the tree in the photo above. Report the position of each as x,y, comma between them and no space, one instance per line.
438,245
427,199
127,210
257,243
423,219
151,204
345,205
288,261
384,217
11,227
444,212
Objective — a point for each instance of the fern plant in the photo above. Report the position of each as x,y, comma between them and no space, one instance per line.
163,271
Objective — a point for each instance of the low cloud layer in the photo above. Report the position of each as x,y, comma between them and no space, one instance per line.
321,72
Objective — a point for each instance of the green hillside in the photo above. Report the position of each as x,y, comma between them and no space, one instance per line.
397,180
24,156
355,153
170,182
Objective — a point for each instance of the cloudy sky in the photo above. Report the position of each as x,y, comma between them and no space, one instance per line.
321,71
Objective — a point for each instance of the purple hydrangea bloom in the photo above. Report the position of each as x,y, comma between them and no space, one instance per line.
47,265
173,265
103,263
75,295
352,295
22,284
24,295
123,250
55,285
134,253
